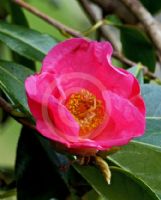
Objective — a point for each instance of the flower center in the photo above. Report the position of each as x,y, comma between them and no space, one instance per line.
87,110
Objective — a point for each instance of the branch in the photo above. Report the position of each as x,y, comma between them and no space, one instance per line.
94,20
9,109
88,10
75,33
61,27
118,8
151,25
130,63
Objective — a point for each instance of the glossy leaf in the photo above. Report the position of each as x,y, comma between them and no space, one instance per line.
26,42
153,132
18,17
92,194
12,78
143,156
122,182
142,160
37,177
137,47
152,96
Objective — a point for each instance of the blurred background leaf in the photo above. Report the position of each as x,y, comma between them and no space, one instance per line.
153,6
37,177
137,47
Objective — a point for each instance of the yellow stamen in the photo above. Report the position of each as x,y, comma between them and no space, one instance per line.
86,109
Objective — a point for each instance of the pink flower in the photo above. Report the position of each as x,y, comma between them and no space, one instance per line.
83,102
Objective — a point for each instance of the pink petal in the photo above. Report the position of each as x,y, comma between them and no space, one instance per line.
43,128
91,58
81,64
139,103
60,51
86,144
124,123
62,120
39,88
32,96
41,91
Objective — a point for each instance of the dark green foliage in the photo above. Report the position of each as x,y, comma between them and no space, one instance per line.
152,5
137,47
37,177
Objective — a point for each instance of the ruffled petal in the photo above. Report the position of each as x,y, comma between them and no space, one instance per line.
91,58
81,64
43,127
42,91
36,87
125,122
61,120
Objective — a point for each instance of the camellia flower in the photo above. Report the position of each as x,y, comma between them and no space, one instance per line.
81,101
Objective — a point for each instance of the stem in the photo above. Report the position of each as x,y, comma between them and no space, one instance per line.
128,62
6,106
61,27
95,20
9,109
118,8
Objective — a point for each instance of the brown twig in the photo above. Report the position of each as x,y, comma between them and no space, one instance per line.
150,24
66,29
6,106
130,63
9,109
85,4
61,27
75,33
118,8
123,59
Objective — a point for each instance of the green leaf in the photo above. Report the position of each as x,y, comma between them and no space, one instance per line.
142,157
17,14
142,160
37,177
152,97
137,47
153,6
92,194
19,18
137,71
3,9
12,78
153,132
122,181
26,42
